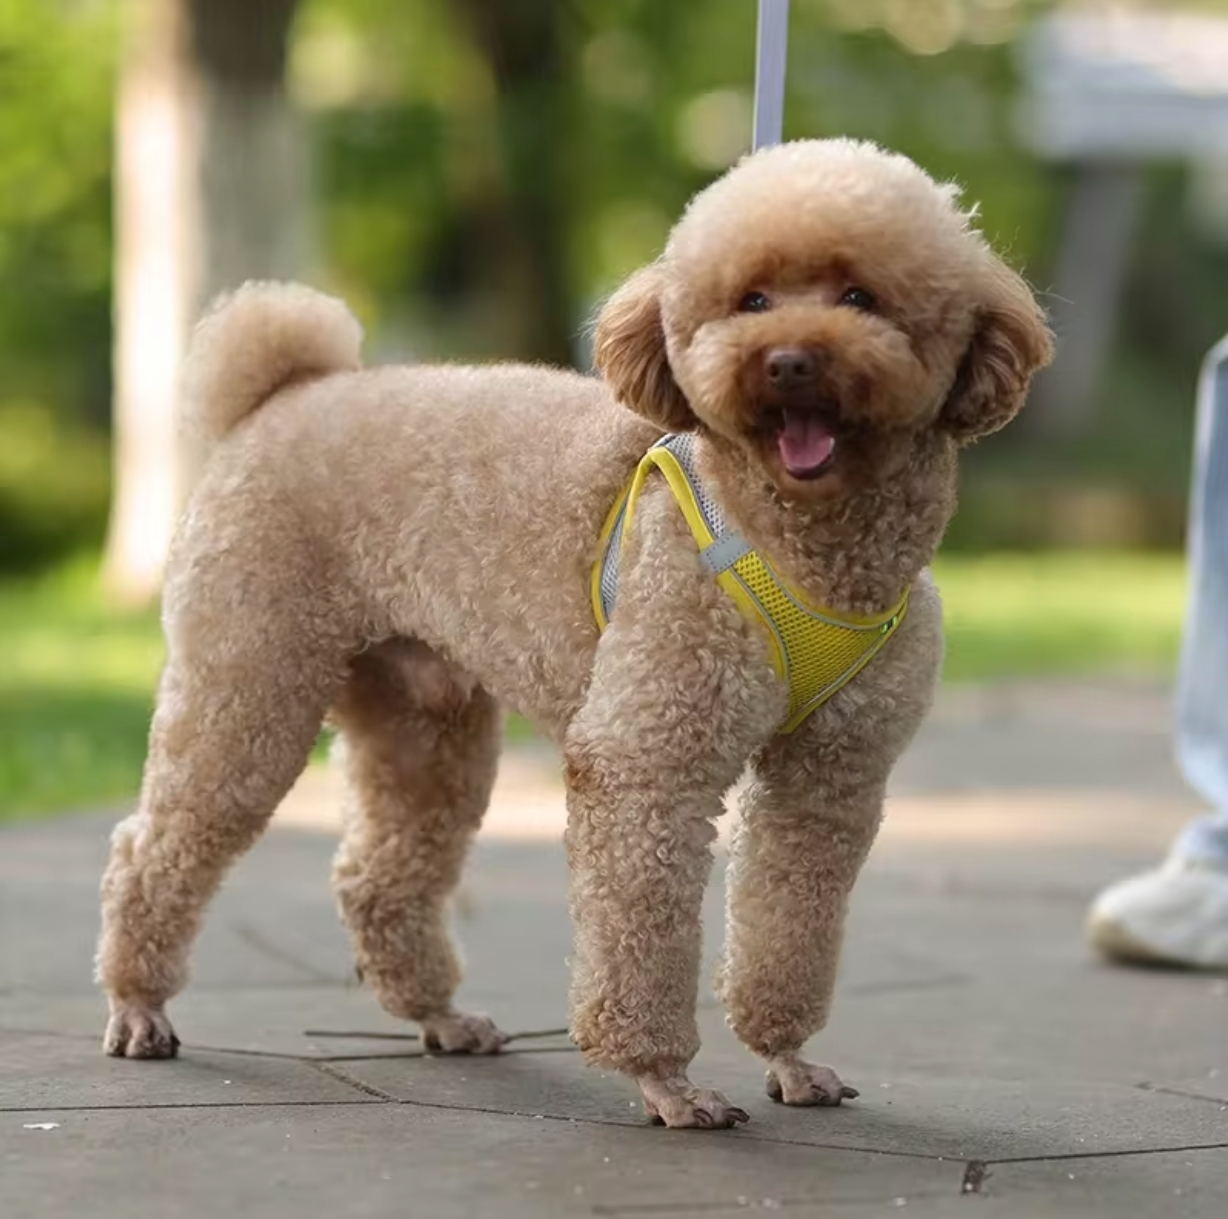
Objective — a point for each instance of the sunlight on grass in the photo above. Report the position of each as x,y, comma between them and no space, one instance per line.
77,679
1061,614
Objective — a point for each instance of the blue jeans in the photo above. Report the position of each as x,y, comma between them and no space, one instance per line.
1202,686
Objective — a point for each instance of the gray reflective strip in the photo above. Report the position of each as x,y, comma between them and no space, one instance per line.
608,586
724,552
682,446
609,566
609,580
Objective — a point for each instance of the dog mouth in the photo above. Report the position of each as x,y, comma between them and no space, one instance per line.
805,443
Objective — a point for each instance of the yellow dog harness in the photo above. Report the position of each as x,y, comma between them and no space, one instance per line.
815,651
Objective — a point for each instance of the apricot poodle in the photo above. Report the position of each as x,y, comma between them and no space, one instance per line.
405,549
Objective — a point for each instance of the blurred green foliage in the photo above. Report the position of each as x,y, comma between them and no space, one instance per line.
487,170
56,66
54,482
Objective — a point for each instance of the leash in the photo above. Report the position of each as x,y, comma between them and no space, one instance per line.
358,1034
771,53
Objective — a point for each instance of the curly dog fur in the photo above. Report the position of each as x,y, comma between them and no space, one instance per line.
406,548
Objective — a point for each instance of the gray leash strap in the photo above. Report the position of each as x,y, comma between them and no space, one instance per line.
771,53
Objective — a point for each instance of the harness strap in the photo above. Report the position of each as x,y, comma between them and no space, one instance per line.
815,652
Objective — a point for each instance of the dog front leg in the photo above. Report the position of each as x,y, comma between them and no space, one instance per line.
796,853
640,855
644,789
681,695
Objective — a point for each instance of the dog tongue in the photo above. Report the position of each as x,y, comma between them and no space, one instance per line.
805,444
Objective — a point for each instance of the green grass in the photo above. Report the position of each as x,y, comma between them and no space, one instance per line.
1061,614
76,678
76,684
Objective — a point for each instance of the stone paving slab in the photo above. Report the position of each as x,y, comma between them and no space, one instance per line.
47,1073
1077,1035
1053,737
973,1115
991,1050
1189,1184
376,1160
49,875
49,911
1211,1086
381,1160
283,1021
914,949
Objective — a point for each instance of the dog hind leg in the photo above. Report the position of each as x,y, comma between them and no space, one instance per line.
241,700
420,744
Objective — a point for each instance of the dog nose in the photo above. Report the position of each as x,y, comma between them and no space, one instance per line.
791,367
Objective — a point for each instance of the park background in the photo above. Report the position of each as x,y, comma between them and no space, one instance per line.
473,177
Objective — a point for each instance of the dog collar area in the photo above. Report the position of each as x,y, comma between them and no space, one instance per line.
815,651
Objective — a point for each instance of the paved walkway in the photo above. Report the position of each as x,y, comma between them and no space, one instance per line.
1003,1072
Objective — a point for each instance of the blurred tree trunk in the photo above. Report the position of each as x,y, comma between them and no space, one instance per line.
523,231
210,191
1092,265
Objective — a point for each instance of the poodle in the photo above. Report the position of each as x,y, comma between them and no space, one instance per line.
407,549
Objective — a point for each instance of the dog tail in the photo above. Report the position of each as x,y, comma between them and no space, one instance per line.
257,340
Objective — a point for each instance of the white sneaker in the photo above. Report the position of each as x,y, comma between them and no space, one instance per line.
1176,914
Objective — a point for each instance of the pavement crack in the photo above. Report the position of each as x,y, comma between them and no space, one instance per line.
889,987
199,1106
59,1034
344,1078
715,1206
742,1135
220,987
974,1177
1183,1093
255,939
749,1134
187,1046
1115,1154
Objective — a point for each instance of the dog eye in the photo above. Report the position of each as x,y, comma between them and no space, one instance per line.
859,298
754,302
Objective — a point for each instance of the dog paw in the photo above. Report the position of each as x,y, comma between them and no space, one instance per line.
678,1103
460,1033
800,1083
137,1031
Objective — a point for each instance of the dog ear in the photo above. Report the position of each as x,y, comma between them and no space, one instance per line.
629,351
1011,343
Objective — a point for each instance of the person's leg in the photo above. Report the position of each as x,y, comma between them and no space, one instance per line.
1202,706
1178,913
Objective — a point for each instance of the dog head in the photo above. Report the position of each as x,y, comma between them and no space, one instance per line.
822,304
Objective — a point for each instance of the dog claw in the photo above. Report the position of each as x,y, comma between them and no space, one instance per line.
137,1031
679,1104
460,1033
800,1083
